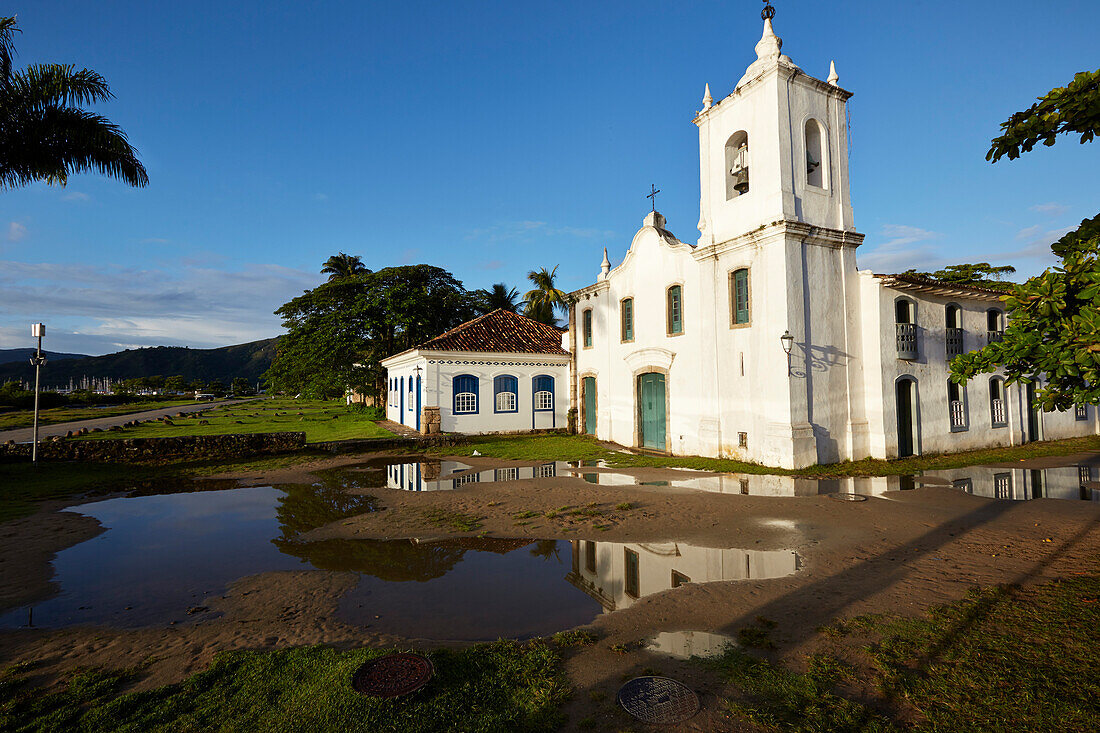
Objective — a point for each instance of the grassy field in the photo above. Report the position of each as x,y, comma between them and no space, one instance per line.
25,418
320,420
559,447
1003,659
503,686
23,486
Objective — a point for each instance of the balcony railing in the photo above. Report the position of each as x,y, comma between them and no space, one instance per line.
958,415
992,336
954,342
997,408
907,340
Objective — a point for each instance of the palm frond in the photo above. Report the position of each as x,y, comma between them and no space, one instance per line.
7,45
45,85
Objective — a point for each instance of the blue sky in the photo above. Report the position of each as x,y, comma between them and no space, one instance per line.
497,137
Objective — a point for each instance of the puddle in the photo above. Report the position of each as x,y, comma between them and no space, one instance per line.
164,554
688,644
1076,483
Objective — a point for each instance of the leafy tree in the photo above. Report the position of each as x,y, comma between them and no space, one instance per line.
338,333
501,296
343,266
979,273
1073,108
1053,331
216,386
196,385
241,386
1053,334
175,383
45,132
544,299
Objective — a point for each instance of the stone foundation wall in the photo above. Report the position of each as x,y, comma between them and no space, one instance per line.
429,421
145,449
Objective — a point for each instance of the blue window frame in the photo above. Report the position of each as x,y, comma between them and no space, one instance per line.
465,394
543,387
505,394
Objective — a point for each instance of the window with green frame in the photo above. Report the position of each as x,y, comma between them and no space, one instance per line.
588,328
675,310
626,316
739,295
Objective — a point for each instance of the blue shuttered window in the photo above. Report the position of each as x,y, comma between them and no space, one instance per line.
544,393
505,394
465,394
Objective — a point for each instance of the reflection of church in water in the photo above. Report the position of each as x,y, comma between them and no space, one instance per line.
618,574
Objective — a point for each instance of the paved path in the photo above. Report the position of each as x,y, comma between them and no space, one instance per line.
25,435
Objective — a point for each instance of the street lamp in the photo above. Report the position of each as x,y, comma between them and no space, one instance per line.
38,330
788,342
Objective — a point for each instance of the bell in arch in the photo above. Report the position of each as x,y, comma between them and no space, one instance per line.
740,170
811,164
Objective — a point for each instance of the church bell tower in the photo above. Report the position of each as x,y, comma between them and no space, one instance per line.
775,149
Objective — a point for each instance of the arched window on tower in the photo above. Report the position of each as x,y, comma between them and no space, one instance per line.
737,165
815,158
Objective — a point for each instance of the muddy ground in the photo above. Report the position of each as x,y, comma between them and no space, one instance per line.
897,553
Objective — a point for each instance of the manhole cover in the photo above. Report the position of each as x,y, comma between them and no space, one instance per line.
658,700
392,675
849,497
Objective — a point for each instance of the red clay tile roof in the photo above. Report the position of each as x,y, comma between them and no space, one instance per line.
904,278
500,331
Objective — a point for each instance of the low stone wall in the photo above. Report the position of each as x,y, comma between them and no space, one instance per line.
146,449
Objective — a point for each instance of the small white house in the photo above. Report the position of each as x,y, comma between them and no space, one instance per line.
500,372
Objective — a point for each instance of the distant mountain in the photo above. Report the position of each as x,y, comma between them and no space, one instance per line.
7,356
226,363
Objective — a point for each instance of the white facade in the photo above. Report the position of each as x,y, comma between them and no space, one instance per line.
427,379
678,348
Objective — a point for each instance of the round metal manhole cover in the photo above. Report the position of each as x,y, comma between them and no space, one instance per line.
849,497
658,700
393,675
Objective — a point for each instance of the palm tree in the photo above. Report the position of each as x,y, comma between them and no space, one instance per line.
46,135
343,266
545,298
501,296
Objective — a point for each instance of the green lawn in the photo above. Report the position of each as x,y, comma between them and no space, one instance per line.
25,418
503,686
320,420
1002,659
547,447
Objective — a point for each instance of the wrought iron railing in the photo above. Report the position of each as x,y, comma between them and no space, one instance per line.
907,340
997,408
992,336
958,414
954,342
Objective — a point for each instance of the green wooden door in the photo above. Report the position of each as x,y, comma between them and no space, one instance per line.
651,393
590,405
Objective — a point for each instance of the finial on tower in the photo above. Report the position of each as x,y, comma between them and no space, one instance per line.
768,12
833,76
708,101
605,266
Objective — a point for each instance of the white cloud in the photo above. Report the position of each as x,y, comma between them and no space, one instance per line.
76,196
320,196
1037,246
1050,209
905,247
1028,232
16,231
492,265
410,256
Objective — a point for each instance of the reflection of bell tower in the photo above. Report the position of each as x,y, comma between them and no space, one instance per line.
775,149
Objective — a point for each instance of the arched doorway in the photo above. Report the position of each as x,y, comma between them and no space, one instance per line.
651,410
908,417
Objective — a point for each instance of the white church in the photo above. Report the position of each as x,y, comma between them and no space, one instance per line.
762,341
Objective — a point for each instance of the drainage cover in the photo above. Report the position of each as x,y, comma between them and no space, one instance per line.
658,700
849,497
392,675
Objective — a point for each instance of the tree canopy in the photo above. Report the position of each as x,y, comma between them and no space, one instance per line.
978,273
339,332
545,299
499,296
45,132
1074,108
343,265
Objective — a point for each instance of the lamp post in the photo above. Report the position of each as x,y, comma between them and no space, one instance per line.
38,330
788,342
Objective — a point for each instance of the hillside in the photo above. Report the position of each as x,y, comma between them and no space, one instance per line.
11,356
249,360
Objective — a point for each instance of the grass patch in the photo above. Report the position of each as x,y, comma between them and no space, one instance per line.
575,637
555,447
25,418
23,486
1002,659
320,420
625,506
458,521
490,687
525,515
